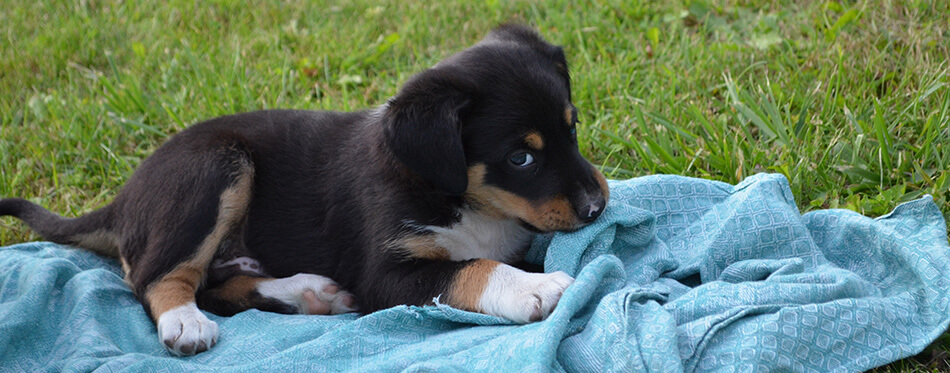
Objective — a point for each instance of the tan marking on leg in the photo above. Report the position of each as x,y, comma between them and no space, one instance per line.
231,210
534,141
178,287
423,247
556,213
238,290
469,284
175,289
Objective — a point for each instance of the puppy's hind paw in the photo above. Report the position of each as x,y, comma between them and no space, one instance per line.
310,294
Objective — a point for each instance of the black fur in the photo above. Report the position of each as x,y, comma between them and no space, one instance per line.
331,191
424,119
56,228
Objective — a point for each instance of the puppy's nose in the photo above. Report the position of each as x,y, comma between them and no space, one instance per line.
589,211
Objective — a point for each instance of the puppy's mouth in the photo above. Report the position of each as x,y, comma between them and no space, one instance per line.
534,229
530,227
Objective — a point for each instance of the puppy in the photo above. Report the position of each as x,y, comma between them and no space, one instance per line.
434,194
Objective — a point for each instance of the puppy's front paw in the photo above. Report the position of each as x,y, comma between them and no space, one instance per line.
186,331
310,294
521,296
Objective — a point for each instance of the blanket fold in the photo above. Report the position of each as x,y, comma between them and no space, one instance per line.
678,274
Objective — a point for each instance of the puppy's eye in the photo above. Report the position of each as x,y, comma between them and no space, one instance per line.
573,131
522,159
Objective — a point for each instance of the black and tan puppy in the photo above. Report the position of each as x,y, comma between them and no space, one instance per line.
426,196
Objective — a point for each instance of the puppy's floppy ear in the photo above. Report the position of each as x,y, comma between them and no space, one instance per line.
423,129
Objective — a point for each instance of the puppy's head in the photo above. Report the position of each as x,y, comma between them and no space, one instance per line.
495,124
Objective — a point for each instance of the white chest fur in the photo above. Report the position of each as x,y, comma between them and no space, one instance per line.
477,235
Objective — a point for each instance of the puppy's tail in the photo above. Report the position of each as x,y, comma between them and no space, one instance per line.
92,231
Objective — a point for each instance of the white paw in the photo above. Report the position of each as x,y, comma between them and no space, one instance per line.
521,296
186,331
311,294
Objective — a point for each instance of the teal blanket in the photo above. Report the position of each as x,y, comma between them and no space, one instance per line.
679,274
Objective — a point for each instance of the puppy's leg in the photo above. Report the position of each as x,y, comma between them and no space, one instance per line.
499,289
169,294
302,293
478,285
182,328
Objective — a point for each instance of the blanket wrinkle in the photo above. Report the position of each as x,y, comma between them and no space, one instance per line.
677,275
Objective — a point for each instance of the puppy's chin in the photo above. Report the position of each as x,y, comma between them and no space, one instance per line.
534,229
530,227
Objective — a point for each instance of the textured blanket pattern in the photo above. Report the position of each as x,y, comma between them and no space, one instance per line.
679,274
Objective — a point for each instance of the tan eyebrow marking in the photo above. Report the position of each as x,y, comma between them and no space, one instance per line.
534,140
569,115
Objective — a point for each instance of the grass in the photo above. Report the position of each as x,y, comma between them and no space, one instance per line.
849,100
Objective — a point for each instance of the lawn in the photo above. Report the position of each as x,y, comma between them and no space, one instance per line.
849,100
